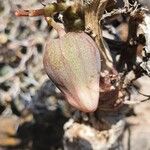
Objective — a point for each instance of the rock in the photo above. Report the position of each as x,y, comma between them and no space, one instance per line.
83,137
137,134
8,127
143,84
145,3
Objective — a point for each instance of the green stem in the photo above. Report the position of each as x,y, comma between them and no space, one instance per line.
56,26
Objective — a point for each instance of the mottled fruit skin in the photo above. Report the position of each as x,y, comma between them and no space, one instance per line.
73,64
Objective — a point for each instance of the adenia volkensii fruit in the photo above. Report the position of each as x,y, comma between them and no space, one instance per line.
73,64
72,61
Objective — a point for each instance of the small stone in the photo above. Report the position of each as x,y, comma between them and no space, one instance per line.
3,38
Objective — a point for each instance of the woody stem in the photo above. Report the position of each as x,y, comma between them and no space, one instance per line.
31,13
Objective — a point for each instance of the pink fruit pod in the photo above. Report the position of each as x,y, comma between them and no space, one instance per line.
73,63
